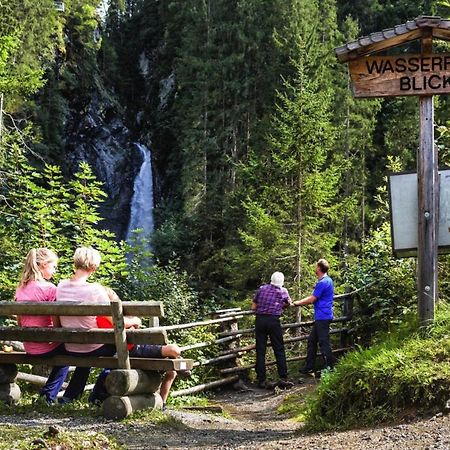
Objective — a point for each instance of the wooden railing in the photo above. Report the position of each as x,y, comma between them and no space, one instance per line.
231,338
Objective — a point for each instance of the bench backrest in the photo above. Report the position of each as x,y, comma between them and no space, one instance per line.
140,309
118,335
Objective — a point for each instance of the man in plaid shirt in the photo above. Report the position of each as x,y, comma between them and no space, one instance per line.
268,304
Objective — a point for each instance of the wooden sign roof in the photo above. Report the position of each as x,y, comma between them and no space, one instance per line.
421,27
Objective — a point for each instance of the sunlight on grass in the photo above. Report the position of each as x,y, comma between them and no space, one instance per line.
406,369
25,438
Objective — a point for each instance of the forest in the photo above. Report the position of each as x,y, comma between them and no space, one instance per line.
263,160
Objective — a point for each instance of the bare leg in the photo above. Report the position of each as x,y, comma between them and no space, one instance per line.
166,384
168,351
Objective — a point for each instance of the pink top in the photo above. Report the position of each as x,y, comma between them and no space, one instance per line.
81,291
37,291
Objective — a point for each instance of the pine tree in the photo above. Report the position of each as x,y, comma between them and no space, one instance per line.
355,121
296,197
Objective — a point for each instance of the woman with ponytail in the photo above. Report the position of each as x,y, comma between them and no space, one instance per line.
40,265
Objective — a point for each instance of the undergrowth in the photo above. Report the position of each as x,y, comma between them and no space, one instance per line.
27,438
407,368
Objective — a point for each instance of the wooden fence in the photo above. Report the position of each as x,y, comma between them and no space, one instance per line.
229,338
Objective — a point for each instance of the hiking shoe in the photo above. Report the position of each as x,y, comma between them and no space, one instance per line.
306,370
285,384
262,384
64,400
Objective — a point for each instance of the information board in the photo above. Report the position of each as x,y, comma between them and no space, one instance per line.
404,213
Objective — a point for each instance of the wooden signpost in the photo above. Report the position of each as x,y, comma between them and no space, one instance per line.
387,76
424,75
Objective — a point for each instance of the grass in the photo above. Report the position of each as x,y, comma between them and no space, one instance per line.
33,407
25,438
408,369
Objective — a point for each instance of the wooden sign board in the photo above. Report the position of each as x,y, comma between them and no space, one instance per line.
390,76
404,213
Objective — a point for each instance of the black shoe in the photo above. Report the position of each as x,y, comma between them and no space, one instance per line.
64,400
262,385
306,370
283,383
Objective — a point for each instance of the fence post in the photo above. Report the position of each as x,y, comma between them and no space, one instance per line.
347,312
229,326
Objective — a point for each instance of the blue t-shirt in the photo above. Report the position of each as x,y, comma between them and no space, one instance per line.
324,292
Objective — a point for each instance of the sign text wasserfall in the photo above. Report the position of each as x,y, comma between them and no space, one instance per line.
386,76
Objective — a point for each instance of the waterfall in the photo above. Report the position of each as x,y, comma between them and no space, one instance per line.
141,212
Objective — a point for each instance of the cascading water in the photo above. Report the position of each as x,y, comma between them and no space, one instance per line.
141,213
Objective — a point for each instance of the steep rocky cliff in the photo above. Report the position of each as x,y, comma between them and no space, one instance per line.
99,136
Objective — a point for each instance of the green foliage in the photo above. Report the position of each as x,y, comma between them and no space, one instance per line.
376,15
167,284
292,210
27,82
407,368
355,121
145,281
29,31
79,71
40,209
202,373
391,297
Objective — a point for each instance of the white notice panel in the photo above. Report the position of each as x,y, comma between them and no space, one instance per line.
404,207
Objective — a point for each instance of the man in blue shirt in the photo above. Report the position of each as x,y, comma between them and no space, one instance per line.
322,299
268,304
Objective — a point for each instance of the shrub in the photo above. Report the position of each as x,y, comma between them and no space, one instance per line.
393,294
407,368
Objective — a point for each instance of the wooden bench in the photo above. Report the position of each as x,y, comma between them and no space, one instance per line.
133,384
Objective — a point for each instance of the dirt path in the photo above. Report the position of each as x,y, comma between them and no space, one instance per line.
251,422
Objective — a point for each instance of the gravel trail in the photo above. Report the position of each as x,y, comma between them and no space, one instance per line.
251,422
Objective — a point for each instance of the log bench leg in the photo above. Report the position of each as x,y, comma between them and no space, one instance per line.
9,391
118,408
131,390
125,382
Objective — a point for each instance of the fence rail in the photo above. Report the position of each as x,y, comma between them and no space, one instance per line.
229,338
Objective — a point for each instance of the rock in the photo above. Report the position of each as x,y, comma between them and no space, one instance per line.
53,430
9,393
240,386
40,443
447,407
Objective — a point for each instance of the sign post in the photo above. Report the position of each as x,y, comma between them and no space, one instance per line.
428,208
424,75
